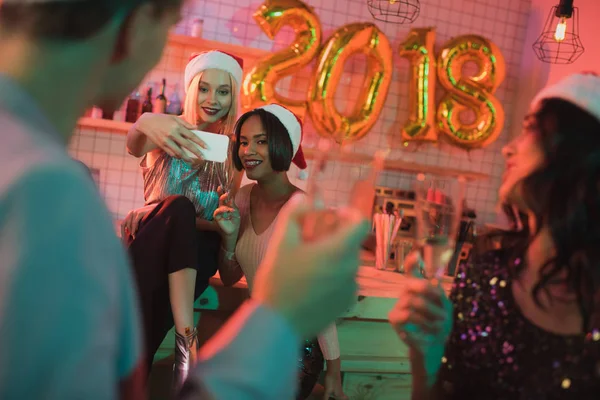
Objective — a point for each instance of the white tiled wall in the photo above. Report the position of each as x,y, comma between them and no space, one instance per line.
504,22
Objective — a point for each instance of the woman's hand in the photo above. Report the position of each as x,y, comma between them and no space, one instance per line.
227,216
422,317
131,223
173,135
333,386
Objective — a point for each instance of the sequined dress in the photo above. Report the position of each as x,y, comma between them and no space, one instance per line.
494,352
170,176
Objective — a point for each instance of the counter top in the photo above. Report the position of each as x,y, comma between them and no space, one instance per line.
371,282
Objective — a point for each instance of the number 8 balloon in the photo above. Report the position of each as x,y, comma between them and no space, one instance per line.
473,92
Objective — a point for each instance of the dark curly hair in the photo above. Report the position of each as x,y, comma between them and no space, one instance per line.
564,195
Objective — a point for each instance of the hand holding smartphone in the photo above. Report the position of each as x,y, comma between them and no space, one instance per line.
217,147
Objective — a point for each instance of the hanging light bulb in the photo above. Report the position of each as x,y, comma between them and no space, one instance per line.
395,11
561,29
559,42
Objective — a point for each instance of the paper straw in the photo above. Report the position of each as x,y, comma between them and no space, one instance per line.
379,261
397,225
386,239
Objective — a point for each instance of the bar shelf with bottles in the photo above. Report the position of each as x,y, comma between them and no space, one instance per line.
121,120
403,202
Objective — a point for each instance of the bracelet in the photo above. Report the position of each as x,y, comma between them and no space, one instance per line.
229,255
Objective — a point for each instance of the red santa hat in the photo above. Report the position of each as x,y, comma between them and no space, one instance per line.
581,89
214,59
293,125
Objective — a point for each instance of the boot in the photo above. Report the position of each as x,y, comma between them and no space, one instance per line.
186,349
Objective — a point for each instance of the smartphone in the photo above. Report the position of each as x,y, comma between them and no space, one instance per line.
218,146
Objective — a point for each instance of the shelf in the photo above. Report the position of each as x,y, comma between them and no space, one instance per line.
105,124
200,44
402,166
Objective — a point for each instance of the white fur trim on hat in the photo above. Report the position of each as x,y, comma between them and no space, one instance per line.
289,120
213,59
582,89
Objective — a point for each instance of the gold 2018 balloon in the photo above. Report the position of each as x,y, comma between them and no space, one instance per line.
418,49
363,38
471,92
259,83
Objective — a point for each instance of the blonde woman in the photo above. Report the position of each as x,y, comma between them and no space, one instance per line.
173,240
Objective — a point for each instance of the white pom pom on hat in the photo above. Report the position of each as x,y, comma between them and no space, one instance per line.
581,89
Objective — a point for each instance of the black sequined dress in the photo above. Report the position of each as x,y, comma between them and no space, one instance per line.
494,352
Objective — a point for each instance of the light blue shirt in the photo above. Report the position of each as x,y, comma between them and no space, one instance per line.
68,314
253,357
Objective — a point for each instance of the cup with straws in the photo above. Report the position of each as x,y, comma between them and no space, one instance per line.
386,226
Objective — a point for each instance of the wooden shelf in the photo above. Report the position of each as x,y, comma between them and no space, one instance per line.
402,166
105,124
200,44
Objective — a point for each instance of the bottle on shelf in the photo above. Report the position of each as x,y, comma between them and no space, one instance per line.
174,106
197,26
108,113
132,109
96,113
160,103
147,105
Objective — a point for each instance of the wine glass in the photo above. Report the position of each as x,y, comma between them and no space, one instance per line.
438,215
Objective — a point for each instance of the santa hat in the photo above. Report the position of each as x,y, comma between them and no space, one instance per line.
213,59
293,125
582,89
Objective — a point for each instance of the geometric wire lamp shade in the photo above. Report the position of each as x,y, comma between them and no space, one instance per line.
396,11
559,42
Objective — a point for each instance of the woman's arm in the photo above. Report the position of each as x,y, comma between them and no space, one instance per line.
161,131
138,143
229,269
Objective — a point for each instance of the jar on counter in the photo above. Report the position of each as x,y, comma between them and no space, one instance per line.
197,26
96,113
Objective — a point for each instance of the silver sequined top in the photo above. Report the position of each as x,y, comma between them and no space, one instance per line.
172,176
